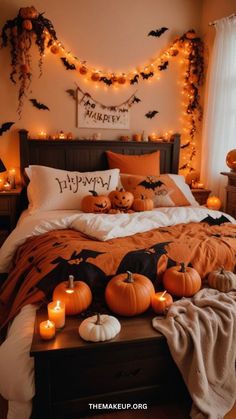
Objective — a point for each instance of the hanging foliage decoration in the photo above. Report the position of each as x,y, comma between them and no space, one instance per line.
27,28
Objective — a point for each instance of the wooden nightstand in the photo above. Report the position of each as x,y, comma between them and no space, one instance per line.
9,205
230,193
201,195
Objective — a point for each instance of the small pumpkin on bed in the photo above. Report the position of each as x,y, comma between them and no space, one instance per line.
121,200
182,281
96,203
143,204
129,294
222,280
98,328
76,295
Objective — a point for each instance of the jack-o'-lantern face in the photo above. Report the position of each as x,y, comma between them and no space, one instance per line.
96,203
122,200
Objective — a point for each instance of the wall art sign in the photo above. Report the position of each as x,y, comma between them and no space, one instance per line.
94,114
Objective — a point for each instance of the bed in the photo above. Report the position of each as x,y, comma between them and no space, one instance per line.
49,245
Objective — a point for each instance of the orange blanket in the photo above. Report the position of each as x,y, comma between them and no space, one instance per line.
44,261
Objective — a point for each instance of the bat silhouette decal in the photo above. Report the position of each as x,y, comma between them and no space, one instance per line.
5,127
134,79
146,76
39,105
163,66
158,32
215,221
67,64
105,80
149,184
151,114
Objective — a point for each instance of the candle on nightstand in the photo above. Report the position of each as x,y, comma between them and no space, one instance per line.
1,184
56,313
6,186
12,178
161,301
47,330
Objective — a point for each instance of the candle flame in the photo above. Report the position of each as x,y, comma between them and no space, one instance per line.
162,295
69,291
49,324
58,306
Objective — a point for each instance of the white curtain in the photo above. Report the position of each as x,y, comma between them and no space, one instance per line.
219,123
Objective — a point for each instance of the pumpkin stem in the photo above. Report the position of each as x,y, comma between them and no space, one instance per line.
183,268
71,282
94,193
129,278
98,321
222,270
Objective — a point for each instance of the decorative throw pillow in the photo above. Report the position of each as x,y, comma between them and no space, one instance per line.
166,190
145,164
55,189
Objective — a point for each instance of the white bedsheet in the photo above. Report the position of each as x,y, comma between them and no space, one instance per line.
16,367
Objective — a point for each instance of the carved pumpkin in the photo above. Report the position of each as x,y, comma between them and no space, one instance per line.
143,204
98,328
27,25
95,203
76,295
182,281
129,294
121,199
222,280
28,12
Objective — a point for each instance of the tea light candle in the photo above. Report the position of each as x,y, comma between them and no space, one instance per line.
161,301
12,178
42,135
47,330
6,186
56,313
152,136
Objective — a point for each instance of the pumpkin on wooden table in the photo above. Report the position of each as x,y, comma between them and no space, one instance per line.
143,204
222,280
129,294
76,295
121,200
95,203
98,328
182,281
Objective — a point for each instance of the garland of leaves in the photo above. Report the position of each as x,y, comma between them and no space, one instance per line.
32,27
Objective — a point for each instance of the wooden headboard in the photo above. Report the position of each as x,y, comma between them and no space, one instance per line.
89,155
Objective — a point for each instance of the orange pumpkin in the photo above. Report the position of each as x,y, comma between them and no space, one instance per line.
121,199
143,204
95,203
54,49
213,202
25,68
121,79
76,295
28,12
182,281
83,70
129,294
27,25
95,76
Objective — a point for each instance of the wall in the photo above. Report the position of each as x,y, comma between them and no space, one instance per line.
110,35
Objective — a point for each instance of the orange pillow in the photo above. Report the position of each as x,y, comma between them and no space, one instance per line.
145,164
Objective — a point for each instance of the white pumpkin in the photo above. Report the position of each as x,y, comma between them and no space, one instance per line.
98,328
222,280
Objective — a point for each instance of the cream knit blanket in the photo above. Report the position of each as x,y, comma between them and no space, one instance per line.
201,335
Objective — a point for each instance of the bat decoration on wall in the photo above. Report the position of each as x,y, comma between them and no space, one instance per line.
149,184
72,93
146,75
134,79
158,32
215,221
151,114
163,66
185,166
67,64
39,105
136,99
5,127
105,80
185,145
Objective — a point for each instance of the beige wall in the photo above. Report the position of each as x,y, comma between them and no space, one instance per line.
110,35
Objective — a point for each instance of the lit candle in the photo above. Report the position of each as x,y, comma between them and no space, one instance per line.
56,313
1,184
200,185
12,178
161,301
42,135
47,330
6,186
152,136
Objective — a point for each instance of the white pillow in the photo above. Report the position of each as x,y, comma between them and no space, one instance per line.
55,189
